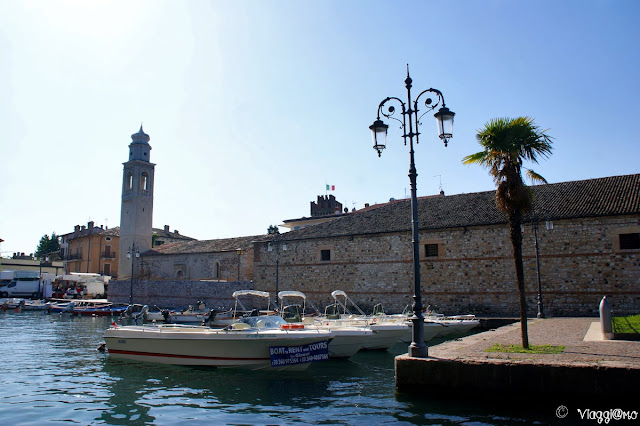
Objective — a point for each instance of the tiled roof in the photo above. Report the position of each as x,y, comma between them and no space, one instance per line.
617,195
205,246
173,235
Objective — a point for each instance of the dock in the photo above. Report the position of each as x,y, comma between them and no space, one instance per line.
590,367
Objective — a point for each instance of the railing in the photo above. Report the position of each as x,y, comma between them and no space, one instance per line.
72,257
109,255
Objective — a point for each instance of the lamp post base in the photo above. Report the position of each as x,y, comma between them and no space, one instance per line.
416,351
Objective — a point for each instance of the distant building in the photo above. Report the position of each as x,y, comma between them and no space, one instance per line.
91,249
325,209
22,262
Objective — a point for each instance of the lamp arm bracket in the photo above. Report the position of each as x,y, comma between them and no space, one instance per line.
390,110
428,103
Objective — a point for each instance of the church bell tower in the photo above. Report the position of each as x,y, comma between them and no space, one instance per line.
137,203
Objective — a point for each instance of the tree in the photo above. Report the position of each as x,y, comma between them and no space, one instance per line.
48,245
507,143
273,229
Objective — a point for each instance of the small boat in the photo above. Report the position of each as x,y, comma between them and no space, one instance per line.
87,307
12,304
255,341
386,332
37,305
347,339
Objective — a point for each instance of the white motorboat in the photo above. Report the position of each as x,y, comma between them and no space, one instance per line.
37,305
254,342
386,331
347,339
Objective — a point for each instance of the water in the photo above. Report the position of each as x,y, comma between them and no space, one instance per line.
52,373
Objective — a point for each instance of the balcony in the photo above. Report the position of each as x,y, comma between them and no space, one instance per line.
72,257
109,255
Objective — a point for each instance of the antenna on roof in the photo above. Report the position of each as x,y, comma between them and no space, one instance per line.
440,185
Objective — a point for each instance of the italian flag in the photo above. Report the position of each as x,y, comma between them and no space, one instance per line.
331,187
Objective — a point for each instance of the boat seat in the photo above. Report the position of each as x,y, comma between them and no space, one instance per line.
240,326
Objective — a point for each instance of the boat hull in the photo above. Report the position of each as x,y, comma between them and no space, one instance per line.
203,346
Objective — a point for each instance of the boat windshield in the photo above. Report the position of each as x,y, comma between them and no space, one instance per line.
264,321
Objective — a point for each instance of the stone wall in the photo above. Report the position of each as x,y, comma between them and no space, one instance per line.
176,294
580,261
197,266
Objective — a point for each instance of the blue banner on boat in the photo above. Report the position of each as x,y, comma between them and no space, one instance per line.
291,355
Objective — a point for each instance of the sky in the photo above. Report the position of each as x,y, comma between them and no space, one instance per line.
254,106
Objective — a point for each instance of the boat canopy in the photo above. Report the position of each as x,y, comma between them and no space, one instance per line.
291,293
250,293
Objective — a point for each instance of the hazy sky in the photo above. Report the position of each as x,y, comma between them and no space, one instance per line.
254,106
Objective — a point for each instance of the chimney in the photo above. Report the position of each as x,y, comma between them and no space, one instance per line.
90,225
176,231
166,229
441,193
366,205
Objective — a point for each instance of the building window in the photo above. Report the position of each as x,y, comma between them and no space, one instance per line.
179,274
630,241
129,180
430,250
107,269
325,255
216,270
144,183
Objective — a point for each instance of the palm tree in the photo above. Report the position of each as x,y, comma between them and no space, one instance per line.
506,143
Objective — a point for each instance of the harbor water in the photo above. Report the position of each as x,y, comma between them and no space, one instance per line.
53,373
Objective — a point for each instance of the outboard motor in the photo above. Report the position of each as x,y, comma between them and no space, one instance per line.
167,316
210,317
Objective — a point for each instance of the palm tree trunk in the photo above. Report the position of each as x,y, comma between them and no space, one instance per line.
515,221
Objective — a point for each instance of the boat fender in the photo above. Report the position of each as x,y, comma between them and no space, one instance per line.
292,326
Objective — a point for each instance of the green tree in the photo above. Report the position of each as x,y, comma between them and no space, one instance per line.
48,246
507,143
273,229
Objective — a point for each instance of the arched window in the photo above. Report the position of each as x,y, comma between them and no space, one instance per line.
179,274
144,182
129,181
216,270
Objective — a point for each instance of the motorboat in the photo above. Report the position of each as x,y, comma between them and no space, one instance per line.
255,341
386,332
439,325
12,303
87,307
37,305
347,339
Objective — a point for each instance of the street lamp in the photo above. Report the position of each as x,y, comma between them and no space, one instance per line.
239,253
411,119
276,243
132,249
534,225
40,283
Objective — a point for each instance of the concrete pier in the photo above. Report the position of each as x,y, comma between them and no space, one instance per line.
589,366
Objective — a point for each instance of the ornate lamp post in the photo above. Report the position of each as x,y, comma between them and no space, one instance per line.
131,250
239,253
270,247
410,120
534,225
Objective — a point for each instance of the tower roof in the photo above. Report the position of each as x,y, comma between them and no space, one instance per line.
140,137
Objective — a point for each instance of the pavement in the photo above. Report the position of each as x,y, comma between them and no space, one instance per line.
581,337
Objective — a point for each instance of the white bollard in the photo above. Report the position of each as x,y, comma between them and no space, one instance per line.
605,319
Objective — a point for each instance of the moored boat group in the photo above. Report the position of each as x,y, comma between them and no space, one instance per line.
282,335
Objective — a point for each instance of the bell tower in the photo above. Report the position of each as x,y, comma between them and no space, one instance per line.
137,203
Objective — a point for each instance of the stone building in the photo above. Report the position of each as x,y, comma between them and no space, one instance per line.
587,237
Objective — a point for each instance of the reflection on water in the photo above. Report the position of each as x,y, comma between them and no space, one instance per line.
55,374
